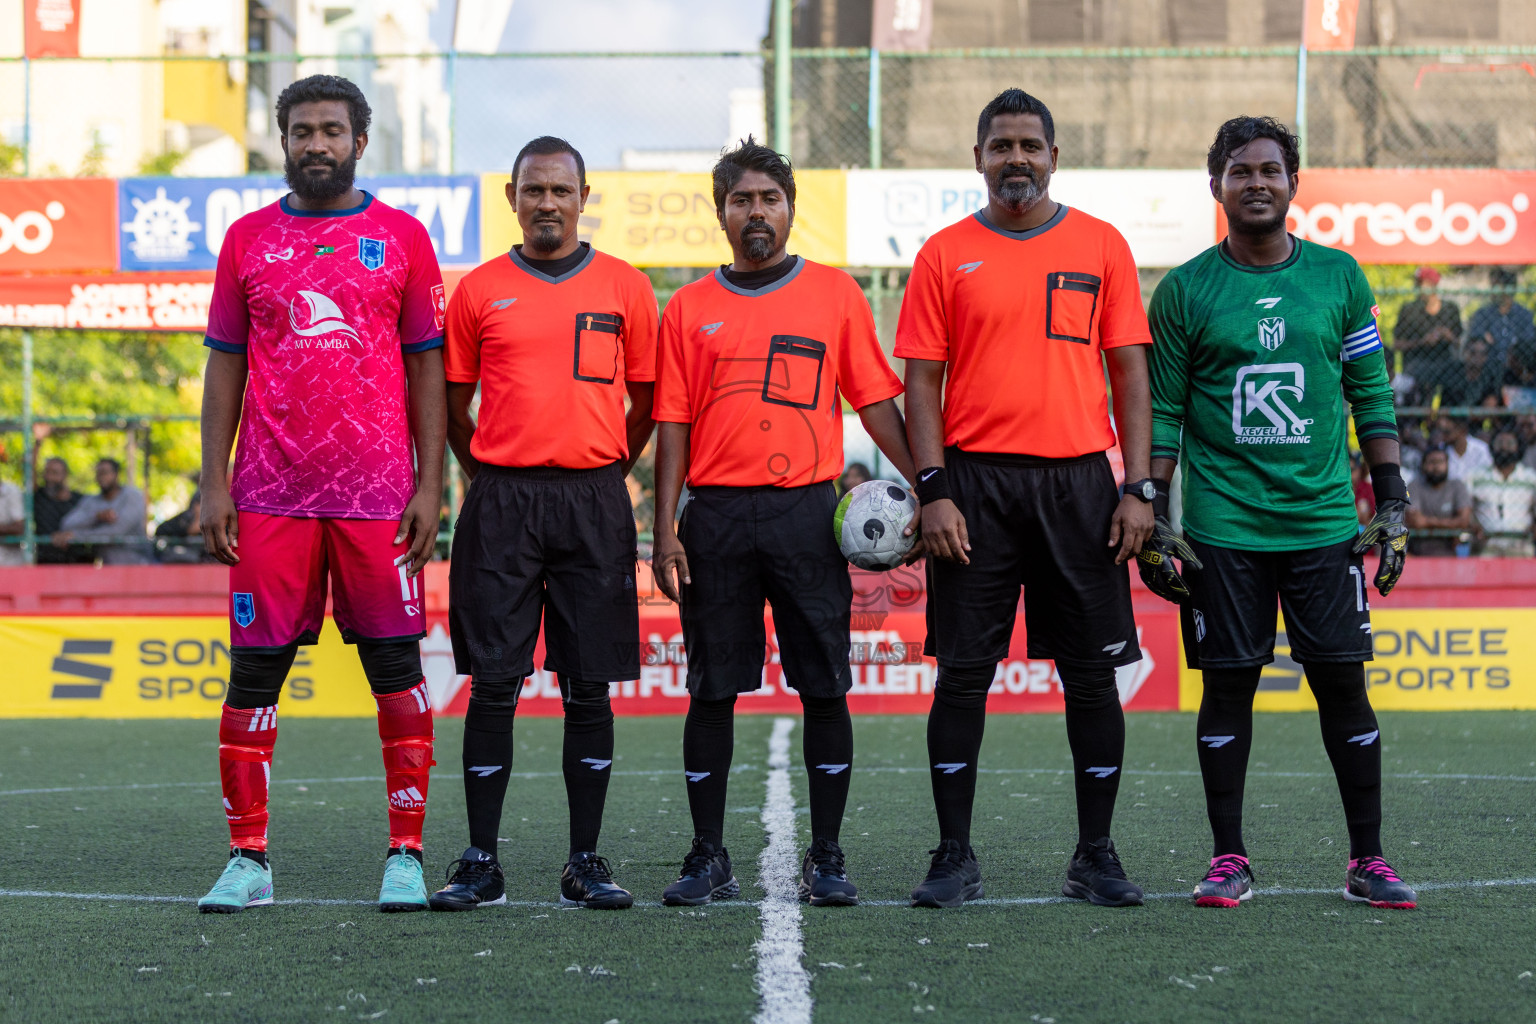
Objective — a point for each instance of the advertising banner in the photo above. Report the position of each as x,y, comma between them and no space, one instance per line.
901,24
1426,659
49,224
52,27
1331,24
179,223
1166,217
667,219
127,302
1417,216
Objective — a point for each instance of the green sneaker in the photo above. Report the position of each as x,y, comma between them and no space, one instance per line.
404,889
244,883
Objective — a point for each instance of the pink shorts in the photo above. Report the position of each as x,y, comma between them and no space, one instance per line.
277,591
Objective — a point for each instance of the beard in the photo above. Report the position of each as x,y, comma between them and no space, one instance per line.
1017,196
322,189
1505,459
1435,479
1274,221
758,242
545,236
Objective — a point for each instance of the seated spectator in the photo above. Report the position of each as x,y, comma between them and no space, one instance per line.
1509,331
1480,376
50,504
1504,501
1467,455
112,521
13,520
1525,429
1365,497
179,540
854,473
1439,503
1428,330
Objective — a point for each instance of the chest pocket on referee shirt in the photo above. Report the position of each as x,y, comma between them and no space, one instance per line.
597,347
1071,301
793,377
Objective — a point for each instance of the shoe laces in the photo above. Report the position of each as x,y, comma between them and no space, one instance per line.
1105,861
1227,867
698,859
828,857
469,871
949,853
591,867
1376,866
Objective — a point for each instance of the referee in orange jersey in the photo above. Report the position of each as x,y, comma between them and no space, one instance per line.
1021,305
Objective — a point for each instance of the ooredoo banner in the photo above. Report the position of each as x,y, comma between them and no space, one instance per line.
1417,216
52,28
1166,217
49,224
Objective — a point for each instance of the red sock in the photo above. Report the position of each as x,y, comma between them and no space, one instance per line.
405,732
246,738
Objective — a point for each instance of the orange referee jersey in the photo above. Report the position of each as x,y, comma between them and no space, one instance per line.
1021,319
551,356
757,374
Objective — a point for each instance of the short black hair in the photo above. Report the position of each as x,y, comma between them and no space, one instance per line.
117,467
752,155
1015,101
1238,132
59,460
317,88
545,145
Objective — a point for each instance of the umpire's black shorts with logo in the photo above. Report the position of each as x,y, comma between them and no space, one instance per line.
1229,621
748,544
550,543
1042,524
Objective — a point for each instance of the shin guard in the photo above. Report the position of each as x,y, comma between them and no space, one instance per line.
246,739
405,733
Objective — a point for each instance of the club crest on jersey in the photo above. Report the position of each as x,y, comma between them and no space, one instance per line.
245,609
1272,332
370,252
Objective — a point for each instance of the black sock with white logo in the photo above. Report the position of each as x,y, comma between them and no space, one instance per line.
1353,742
586,758
955,726
488,757
709,734
1224,734
828,752
1096,733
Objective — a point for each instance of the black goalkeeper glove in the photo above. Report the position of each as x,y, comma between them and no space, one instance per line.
1155,562
1387,529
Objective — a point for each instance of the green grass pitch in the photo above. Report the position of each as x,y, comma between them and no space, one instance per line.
1460,800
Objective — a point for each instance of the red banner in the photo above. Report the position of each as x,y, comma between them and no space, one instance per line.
49,224
124,302
1331,24
1416,216
52,27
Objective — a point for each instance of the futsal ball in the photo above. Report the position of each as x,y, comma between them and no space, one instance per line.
869,525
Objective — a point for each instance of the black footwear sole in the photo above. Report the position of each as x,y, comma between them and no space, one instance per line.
970,892
620,904
454,905
719,892
215,909
400,908
1078,891
835,900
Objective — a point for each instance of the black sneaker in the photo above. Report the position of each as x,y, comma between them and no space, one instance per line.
953,878
587,881
823,880
1095,875
706,876
474,880
1372,880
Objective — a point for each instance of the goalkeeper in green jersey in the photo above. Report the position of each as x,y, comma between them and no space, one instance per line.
1257,340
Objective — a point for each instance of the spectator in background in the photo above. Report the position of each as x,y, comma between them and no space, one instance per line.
50,504
1504,500
112,521
1478,378
179,540
1509,331
1467,455
854,473
1365,496
1439,503
1428,330
1525,429
13,519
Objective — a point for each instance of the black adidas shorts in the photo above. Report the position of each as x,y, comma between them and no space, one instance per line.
1229,621
551,544
747,544
1042,524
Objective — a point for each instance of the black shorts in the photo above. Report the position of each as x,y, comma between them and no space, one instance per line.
1042,524
746,544
556,544
1229,621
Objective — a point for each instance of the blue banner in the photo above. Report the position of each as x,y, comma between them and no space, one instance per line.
179,223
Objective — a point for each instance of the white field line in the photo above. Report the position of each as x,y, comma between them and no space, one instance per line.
783,986
1026,901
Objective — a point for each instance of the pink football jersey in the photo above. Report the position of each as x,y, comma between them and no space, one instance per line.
323,304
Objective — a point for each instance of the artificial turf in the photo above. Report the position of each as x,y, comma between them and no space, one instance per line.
1460,800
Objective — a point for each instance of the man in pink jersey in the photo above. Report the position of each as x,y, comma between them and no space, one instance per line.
326,333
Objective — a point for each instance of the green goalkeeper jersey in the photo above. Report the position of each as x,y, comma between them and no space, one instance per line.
1251,369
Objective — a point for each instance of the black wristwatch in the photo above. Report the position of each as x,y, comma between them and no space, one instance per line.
1146,490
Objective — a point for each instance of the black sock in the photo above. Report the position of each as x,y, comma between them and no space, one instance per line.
1224,734
955,726
488,757
409,851
587,758
709,734
1096,733
1353,742
828,751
